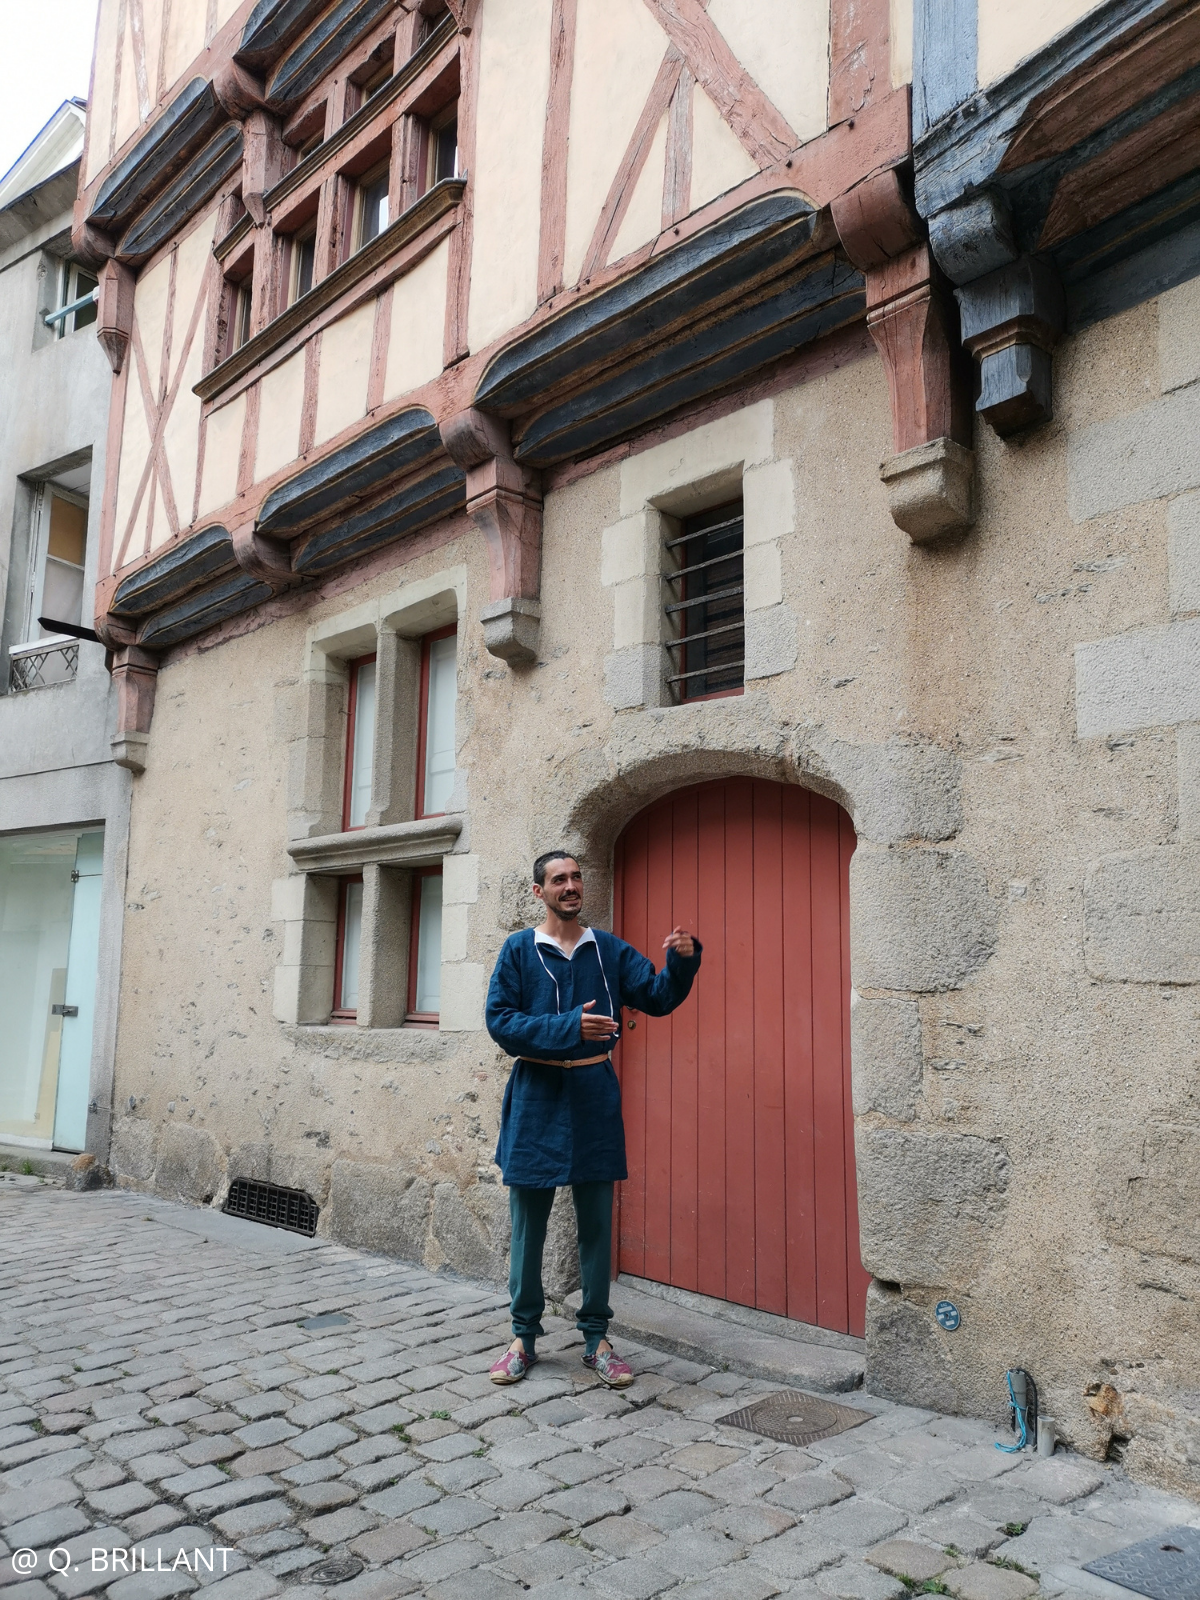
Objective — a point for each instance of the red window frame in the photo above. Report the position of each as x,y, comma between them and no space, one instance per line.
341,1013
351,725
413,1017
423,715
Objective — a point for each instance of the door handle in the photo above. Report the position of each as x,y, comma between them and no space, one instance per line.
64,1011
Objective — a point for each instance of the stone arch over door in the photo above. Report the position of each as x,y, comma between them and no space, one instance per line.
738,1107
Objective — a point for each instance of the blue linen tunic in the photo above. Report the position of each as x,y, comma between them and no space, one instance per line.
563,1125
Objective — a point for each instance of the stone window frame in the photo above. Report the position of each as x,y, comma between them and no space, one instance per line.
393,842
729,458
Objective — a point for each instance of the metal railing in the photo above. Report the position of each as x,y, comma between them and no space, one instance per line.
707,620
42,664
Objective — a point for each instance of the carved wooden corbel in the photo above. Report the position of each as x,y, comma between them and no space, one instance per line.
913,320
114,319
504,501
262,161
135,673
267,559
90,246
238,92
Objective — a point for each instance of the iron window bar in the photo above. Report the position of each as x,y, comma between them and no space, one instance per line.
705,599
691,638
88,299
700,533
737,665
699,566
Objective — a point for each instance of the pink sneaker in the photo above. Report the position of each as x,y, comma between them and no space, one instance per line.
610,1369
511,1367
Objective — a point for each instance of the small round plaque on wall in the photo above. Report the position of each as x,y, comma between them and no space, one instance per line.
947,1315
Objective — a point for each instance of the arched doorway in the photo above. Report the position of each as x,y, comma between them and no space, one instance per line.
737,1107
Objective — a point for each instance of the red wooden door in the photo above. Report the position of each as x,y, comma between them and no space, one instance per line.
737,1107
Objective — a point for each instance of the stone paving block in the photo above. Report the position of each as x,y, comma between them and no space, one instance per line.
906,1558
272,1542
579,1466
421,1379
547,1562
275,1458
156,1465
510,1491
853,1580
122,1500
808,1492
528,1449
255,1407
253,1584
219,1447
377,1585
921,1447
647,1483
703,1459
587,1503
794,1555
47,1527
322,1441
313,1471
484,1409
750,1524
102,1474
151,1586
520,1530
971,1535
407,1496
692,1552
620,1535
119,1405
311,1413
920,1491
324,1496
24,1503
474,1585
856,1524
456,1477
390,1541
232,1492
866,1469
741,1484
156,1519
734,1583
257,1517
125,1446
271,1430
1058,1536
981,1581
980,1462
195,1478
217,1422
336,1527
450,1447
381,1418
323,1384
380,1474
375,1449
20,1434
455,1514
678,1509
1061,1481
173,1411
631,1579
556,1413
291,1563
445,1559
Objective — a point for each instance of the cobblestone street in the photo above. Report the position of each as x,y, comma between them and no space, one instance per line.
159,1390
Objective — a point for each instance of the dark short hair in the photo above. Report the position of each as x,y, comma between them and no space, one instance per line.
542,862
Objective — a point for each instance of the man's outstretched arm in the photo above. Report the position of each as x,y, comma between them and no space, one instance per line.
642,989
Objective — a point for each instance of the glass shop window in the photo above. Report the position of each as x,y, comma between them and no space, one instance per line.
349,945
360,743
435,739
425,950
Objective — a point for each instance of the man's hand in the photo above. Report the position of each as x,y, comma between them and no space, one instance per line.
680,940
596,1027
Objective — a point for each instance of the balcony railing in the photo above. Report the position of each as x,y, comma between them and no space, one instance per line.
41,664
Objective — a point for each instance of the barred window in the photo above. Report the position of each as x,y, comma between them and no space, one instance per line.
705,612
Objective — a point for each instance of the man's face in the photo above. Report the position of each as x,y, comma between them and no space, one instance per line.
562,891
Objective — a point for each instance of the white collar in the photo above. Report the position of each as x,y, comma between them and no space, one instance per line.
586,937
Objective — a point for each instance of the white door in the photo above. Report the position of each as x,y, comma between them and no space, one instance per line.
75,1058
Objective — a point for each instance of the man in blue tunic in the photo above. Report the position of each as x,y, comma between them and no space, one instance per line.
555,1004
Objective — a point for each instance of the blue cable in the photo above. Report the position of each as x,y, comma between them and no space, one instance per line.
1019,1413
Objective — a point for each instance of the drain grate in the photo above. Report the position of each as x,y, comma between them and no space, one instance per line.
795,1418
268,1203
1166,1567
338,1569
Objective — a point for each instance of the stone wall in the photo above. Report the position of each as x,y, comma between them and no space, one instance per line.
1024,932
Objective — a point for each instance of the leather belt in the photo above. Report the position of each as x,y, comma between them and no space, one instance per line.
588,1061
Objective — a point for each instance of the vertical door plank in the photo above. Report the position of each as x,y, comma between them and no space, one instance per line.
739,1042
798,1059
660,1088
681,909
632,1251
770,1195
711,1022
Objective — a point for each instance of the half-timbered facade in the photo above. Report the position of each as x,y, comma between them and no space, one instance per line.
745,441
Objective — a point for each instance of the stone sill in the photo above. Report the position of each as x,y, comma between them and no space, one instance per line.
422,843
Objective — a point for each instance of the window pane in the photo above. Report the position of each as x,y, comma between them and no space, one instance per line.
36,897
374,208
429,945
439,724
445,158
84,283
351,940
362,756
62,593
305,254
68,530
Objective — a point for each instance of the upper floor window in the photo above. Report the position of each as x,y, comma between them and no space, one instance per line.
443,146
360,743
349,945
706,610
303,262
54,587
371,206
435,735
75,301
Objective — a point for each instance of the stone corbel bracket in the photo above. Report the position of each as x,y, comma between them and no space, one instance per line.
504,501
911,315
135,673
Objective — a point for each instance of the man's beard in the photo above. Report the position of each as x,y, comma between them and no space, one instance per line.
568,913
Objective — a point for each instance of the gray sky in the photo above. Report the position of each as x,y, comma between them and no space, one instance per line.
45,58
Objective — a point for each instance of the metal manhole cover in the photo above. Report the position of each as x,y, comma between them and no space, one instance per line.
795,1418
1166,1567
338,1569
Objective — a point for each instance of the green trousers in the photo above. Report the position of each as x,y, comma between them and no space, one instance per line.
530,1211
